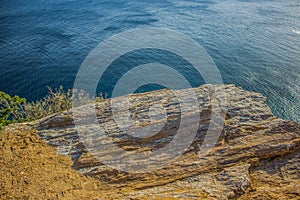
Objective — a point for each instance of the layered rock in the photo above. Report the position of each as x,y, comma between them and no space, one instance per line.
256,155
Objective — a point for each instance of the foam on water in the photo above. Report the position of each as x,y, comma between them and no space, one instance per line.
297,32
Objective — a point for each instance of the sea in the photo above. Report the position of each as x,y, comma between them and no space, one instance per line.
254,43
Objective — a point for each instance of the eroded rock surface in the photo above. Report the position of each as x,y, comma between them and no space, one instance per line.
256,156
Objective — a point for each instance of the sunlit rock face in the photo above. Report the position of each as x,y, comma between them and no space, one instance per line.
255,155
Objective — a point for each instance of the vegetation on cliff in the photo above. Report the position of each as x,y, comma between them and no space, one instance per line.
17,109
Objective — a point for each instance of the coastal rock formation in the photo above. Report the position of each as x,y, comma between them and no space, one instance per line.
255,156
31,169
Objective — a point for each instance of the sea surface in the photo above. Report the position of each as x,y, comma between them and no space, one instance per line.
254,43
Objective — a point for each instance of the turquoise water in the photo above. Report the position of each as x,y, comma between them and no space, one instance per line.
255,44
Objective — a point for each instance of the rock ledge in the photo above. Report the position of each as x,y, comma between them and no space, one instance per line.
257,155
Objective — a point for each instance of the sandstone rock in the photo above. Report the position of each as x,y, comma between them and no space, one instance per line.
255,156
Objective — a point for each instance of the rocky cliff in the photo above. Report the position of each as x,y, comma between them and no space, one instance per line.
256,155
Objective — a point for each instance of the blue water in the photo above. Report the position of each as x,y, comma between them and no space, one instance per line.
255,44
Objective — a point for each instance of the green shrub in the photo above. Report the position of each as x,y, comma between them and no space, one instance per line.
16,109
56,101
12,109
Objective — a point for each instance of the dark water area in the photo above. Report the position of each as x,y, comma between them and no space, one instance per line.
255,44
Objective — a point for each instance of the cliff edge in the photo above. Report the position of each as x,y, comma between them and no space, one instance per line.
256,156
